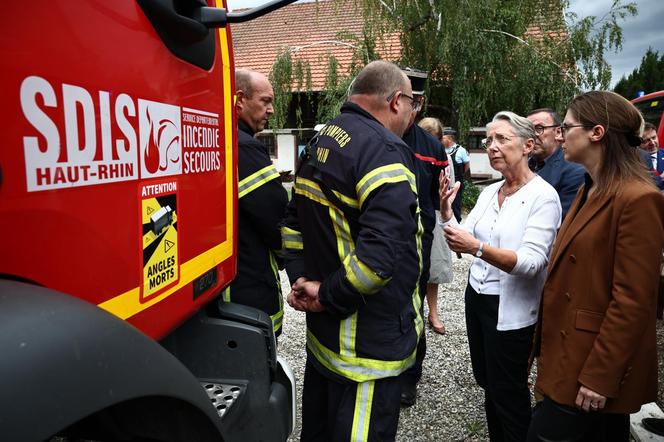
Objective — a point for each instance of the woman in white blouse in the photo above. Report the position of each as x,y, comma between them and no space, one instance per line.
510,232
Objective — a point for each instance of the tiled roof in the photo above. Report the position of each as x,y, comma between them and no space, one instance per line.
314,27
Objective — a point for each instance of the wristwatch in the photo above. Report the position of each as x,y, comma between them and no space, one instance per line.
480,250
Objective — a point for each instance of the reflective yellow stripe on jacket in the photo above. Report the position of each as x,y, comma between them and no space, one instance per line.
361,277
392,173
277,318
291,239
355,368
256,179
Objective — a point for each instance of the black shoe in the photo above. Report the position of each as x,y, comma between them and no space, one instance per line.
408,395
652,424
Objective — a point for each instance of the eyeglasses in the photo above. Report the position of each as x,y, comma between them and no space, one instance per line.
539,129
415,102
499,140
565,127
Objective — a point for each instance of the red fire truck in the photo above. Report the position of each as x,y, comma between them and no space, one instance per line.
118,198
652,108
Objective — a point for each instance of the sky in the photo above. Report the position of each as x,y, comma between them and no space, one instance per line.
640,32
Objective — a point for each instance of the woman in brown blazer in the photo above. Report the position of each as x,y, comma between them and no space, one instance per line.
597,346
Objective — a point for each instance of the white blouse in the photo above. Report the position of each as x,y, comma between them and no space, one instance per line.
526,223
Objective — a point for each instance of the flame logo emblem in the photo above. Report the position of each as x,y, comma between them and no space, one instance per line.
163,137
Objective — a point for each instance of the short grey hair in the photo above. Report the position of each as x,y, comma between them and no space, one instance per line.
522,127
379,78
244,82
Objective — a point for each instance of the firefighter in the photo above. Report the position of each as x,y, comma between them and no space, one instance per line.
261,203
430,159
352,251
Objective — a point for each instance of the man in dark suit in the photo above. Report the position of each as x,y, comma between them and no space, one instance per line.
651,145
547,158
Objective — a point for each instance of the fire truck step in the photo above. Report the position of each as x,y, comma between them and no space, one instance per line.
222,396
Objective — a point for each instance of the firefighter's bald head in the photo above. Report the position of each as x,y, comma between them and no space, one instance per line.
379,78
383,90
254,97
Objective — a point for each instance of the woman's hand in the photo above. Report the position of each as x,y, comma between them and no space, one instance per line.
588,400
460,240
447,195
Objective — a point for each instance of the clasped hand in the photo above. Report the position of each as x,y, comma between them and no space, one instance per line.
304,296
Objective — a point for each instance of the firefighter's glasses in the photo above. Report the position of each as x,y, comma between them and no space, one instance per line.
415,102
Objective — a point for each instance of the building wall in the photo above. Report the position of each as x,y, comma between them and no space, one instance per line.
479,165
285,160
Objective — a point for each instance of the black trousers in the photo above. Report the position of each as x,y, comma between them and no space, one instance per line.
500,367
345,411
553,422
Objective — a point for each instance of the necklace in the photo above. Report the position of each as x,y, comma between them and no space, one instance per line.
515,190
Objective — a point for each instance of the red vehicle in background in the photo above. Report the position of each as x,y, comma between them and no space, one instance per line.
118,199
652,108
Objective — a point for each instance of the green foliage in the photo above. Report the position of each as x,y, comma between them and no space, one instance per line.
482,59
333,94
648,77
283,75
480,55
470,194
474,428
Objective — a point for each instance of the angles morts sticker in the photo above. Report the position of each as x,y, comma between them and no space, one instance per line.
159,237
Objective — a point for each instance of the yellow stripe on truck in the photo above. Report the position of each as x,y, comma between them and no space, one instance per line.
128,304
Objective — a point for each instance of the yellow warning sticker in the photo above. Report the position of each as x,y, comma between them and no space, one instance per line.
160,243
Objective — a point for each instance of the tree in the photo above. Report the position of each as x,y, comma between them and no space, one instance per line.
485,56
648,77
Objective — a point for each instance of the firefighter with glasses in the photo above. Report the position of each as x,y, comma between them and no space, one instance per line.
352,252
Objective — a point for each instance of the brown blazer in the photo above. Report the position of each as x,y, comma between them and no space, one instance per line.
597,326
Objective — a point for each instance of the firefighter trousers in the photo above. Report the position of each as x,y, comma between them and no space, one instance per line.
335,411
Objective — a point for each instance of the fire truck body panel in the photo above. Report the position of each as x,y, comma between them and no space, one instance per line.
118,197
91,149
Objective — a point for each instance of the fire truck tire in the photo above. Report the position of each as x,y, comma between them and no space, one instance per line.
64,360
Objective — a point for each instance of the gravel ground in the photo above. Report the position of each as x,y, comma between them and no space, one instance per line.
449,404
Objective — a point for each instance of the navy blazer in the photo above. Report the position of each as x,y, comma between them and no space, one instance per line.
564,176
659,169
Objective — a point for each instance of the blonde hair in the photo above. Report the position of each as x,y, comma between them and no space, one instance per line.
433,126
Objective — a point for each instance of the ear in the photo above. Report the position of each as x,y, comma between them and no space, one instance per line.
597,133
239,100
528,146
394,102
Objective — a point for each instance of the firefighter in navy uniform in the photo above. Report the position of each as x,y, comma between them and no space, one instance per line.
262,202
430,159
352,251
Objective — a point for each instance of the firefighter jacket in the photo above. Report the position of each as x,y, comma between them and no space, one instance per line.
353,224
261,207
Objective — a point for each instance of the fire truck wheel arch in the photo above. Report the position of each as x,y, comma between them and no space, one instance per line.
64,359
